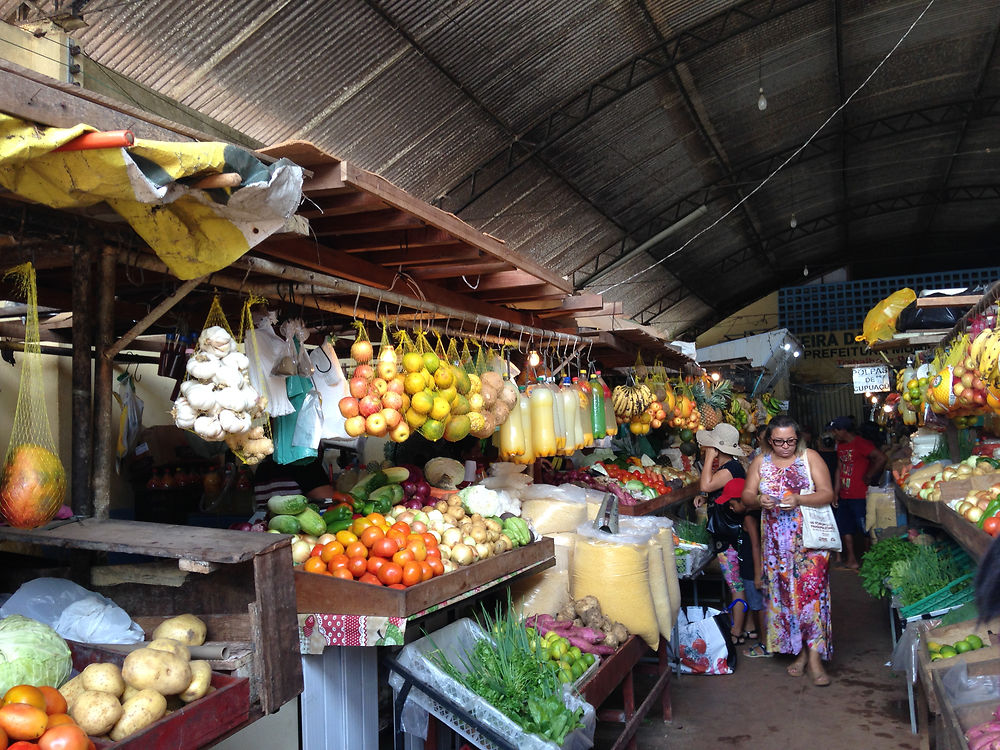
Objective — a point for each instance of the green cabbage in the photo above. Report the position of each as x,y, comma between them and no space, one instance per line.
31,653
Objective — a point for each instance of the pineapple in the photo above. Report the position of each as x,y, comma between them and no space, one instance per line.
712,399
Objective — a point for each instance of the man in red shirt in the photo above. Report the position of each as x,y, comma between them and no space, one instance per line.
859,463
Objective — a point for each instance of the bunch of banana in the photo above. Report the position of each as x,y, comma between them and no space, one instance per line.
736,415
631,400
985,353
957,351
772,406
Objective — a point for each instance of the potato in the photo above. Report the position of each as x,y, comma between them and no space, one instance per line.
96,712
104,678
171,647
201,679
71,690
187,629
138,712
130,692
164,672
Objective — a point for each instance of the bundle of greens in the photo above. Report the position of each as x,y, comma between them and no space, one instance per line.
922,574
878,560
511,675
692,532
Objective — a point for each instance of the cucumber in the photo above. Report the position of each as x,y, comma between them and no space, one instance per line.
367,485
312,523
286,524
287,505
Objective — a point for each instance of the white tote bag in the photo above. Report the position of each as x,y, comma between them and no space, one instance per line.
819,527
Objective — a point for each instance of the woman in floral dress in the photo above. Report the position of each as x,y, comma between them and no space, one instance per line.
796,580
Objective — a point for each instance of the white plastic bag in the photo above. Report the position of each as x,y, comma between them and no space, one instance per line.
309,422
73,611
702,645
329,380
269,347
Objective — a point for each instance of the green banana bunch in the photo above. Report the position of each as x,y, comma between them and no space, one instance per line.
517,531
771,404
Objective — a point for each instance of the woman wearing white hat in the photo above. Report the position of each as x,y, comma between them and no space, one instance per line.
723,459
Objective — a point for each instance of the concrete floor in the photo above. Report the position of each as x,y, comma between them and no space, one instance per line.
761,707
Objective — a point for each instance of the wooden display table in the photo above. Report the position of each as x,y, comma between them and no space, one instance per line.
620,669
972,539
239,583
660,503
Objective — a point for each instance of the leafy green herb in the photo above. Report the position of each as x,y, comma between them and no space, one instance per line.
692,532
877,561
922,574
511,675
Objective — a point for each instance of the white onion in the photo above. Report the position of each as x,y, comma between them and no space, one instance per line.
208,428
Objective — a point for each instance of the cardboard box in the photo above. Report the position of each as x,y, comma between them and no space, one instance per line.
959,719
949,634
162,445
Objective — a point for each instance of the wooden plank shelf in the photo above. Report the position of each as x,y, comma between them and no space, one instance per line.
660,503
316,593
971,538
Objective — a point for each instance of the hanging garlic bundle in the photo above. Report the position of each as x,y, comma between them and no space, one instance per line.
217,400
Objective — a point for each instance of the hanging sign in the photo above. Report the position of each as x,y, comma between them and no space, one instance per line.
871,379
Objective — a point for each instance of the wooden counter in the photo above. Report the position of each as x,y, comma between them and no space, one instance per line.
971,538
660,503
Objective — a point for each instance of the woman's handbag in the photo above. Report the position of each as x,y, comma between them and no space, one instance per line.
819,527
724,525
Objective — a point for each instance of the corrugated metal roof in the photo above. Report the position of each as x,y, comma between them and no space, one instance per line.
577,130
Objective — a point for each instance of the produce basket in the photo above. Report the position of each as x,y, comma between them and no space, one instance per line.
690,558
424,688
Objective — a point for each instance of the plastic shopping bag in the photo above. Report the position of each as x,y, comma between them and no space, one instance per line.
703,641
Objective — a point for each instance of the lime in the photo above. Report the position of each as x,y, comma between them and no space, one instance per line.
574,653
933,646
558,649
963,646
936,656
543,653
577,669
588,659
974,640
947,652
564,677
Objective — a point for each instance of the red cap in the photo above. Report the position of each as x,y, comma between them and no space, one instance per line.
732,491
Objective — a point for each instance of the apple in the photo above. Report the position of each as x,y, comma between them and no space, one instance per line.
380,385
386,370
364,371
400,433
978,398
392,417
376,426
358,387
362,351
392,400
974,513
355,426
369,405
396,385
348,406
967,379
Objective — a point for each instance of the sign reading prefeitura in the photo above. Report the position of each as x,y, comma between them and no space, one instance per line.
871,379
830,356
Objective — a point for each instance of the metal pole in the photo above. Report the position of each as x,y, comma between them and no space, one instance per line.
103,383
83,417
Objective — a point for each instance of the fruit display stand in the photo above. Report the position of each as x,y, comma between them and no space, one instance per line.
341,624
239,584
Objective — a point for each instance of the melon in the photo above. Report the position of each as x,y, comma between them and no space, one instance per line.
32,487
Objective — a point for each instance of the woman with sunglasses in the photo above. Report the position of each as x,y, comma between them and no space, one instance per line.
784,477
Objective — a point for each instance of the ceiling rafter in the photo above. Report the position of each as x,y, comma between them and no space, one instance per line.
838,36
903,123
611,87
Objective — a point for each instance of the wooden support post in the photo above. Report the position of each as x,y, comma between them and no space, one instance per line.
83,417
103,383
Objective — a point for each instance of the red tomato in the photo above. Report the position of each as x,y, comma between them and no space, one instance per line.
25,694
992,525
357,566
343,573
411,573
398,586
419,550
54,701
390,573
56,720
426,571
316,551
430,541
402,527
374,563
22,721
385,547
433,552
404,556
436,565
22,745
369,578
65,737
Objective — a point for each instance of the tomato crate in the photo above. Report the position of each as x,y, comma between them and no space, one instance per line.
194,725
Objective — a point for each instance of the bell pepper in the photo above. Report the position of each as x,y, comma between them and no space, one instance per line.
989,512
338,513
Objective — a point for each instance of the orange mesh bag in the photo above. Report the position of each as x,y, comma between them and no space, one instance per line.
33,481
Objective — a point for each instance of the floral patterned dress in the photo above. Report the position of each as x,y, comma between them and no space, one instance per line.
796,580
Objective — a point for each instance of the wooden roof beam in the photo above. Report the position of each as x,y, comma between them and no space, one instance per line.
341,205
578,303
373,221
424,256
395,240
469,270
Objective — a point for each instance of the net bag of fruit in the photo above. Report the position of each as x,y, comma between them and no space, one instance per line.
33,481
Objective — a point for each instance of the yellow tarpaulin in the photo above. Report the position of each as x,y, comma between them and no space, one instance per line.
193,231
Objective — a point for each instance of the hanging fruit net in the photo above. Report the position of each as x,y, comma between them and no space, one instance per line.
256,444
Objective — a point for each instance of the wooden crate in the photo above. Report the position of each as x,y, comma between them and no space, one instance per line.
657,504
947,634
323,594
958,719
195,725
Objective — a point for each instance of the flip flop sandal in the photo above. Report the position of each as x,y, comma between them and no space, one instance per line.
739,638
751,635
757,651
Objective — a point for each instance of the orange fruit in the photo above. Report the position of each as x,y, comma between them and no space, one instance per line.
337,561
330,549
390,573
411,573
385,547
25,694
371,535
346,537
358,566
342,573
404,556
356,549
22,721
314,565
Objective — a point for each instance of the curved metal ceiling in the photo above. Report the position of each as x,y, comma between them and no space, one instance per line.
578,131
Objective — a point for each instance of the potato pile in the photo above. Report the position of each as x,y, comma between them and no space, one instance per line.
107,701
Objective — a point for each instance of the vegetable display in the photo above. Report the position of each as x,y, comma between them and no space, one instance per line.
922,574
509,672
878,561
985,736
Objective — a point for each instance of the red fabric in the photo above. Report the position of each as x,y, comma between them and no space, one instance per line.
854,462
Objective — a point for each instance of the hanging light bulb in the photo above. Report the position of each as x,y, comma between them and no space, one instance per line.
805,270
793,222
533,358
761,100
716,376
